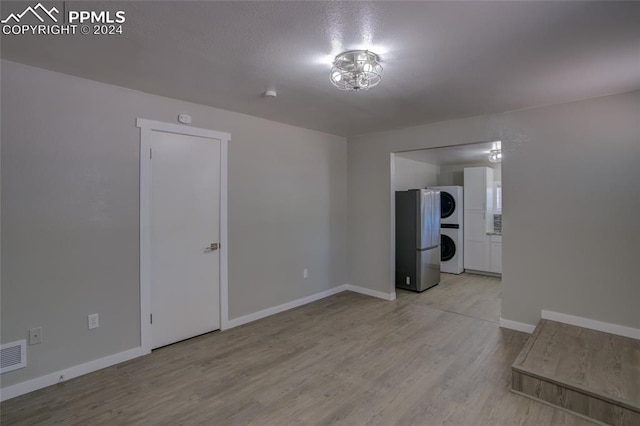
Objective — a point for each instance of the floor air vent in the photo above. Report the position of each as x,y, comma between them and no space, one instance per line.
13,356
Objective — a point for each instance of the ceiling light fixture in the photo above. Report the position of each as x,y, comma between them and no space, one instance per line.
495,156
356,70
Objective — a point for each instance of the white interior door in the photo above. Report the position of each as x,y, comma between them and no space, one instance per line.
185,221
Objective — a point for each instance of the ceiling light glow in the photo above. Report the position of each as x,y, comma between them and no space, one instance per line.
495,156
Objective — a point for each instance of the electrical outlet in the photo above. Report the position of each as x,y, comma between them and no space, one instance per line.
94,321
408,280
305,273
35,335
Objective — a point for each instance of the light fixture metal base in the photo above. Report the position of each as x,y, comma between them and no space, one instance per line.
355,70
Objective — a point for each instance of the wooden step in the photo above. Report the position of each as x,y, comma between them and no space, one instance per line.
588,372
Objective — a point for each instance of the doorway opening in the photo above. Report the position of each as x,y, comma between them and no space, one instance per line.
468,179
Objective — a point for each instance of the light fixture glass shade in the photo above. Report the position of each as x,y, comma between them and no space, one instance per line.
356,70
495,156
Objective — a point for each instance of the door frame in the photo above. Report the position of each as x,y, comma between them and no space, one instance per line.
146,129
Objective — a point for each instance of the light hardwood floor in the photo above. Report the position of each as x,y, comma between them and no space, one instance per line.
433,358
590,372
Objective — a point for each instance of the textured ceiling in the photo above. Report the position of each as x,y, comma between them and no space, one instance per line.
441,60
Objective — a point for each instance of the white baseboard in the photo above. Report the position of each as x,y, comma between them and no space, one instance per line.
235,322
518,326
369,292
69,373
299,302
620,330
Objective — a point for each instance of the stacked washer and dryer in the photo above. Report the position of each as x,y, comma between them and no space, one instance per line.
451,228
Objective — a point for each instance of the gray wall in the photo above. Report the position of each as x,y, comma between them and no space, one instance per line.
70,186
453,174
571,229
412,174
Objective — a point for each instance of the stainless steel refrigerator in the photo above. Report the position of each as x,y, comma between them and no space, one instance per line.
417,239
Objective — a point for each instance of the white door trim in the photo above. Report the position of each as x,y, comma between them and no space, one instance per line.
146,129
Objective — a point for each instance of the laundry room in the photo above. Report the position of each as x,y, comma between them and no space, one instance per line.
447,223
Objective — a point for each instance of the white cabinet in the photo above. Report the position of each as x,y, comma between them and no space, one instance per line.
474,226
476,244
496,254
478,188
480,252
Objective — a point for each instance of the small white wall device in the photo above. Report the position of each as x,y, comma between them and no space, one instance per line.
184,118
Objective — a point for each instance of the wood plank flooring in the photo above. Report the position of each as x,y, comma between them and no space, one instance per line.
477,296
590,372
349,359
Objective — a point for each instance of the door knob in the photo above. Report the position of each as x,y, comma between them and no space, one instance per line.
212,247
